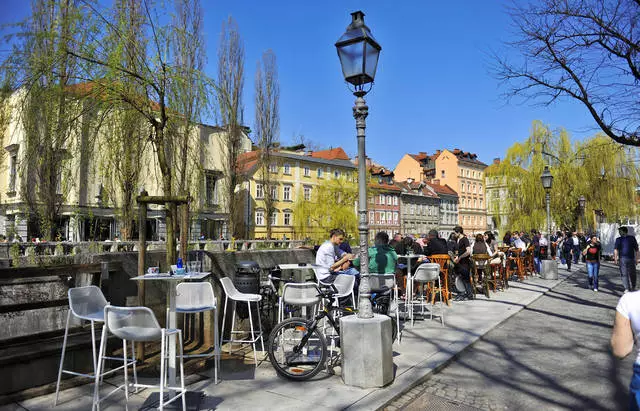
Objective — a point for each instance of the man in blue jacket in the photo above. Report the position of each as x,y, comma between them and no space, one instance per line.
626,253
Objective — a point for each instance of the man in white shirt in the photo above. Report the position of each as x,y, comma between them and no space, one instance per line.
331,260
518,243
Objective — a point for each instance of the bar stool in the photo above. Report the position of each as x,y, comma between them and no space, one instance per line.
87,303
198,297
379,282
300,295
429,274
232,293
139,324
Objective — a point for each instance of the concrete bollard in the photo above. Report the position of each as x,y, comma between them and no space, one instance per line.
367,353
549,270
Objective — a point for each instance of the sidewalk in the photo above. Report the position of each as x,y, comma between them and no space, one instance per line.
424,348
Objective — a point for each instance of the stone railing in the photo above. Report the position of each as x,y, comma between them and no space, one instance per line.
31,249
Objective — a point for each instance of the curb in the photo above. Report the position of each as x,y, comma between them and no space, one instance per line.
442,360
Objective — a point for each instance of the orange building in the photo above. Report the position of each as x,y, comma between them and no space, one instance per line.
461,171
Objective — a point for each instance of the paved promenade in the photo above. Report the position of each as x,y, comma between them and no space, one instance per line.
425,347
553,355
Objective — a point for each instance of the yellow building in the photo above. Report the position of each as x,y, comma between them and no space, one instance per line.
88,189
291,174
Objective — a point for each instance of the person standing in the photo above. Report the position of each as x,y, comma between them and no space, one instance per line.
625,326
566,247
462,263
576,248
592,257
625,254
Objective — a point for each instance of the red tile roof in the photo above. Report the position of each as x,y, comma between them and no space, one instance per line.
247,161
445,189
331,154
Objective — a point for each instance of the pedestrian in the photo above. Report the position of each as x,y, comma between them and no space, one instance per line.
463,263
592,257
625,253
625,326
566,247
576,248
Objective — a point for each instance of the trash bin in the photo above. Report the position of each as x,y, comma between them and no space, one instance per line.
247,280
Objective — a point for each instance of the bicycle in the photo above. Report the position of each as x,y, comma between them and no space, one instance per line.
297,347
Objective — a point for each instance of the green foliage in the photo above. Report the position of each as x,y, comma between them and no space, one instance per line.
14,251
332,205
599,169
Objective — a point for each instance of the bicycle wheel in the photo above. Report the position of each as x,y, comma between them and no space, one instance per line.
292,358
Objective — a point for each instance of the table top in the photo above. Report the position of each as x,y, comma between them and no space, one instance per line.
297,266
167,277
410,255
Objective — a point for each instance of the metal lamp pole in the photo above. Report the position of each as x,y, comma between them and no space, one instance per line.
548,199
360,113
547,182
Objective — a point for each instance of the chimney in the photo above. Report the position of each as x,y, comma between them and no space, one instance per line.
435,181
409,180
496,160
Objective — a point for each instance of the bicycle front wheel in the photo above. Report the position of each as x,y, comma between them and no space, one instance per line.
295,351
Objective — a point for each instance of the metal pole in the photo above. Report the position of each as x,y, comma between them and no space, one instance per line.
548,198
360,113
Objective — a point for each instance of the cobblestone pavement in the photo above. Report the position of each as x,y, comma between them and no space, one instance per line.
552,355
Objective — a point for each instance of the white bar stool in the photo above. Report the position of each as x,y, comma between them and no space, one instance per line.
87,303
139,324
232,293
298,294
429,273
192,298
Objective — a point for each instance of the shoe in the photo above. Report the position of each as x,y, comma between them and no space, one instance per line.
569,269
626,291
595,290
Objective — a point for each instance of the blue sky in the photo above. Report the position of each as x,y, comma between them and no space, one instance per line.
433,87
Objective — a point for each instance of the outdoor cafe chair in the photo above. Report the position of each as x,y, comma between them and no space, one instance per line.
198,297
139,324
444,260
300,295
481,274
232,293
428,274
388,280
87,303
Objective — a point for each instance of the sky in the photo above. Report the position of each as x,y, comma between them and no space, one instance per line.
433,89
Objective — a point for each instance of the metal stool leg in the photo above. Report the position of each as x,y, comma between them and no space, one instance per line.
253,338
64,347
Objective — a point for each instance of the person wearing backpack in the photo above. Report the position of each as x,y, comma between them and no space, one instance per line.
592,257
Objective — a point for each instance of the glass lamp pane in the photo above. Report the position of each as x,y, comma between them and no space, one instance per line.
351,59
371,62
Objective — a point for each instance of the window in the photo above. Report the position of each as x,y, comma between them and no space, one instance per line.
429,210
383,219
274,192
259,217
467,173
381,199
307,193
442,174
372,215
274,218
462,188
473,174
286,218
286,195
287,169
395,217
336,174
395,200
480,203
480,189
388,200
475,203
259,191
388,217
273,168
474,188
307,171
211,194
319,172
13,171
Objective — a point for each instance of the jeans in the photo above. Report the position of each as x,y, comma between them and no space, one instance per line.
576,253
593,268
634,389
567,257
538,264
628,273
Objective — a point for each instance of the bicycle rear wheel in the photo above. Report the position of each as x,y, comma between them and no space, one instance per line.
292,358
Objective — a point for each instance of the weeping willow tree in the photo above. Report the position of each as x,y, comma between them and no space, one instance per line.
332,205
599,169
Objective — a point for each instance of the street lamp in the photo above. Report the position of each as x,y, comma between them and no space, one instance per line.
581,203
358,52
547,182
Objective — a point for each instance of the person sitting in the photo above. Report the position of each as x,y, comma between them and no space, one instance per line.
435,244
519,243
382,257
332,261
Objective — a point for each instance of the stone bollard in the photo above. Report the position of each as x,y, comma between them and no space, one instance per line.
549,270
367,353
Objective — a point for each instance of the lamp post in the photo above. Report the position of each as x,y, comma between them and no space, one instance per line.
581,203
358,52
547,182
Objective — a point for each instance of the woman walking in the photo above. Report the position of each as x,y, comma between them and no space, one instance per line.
592,256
